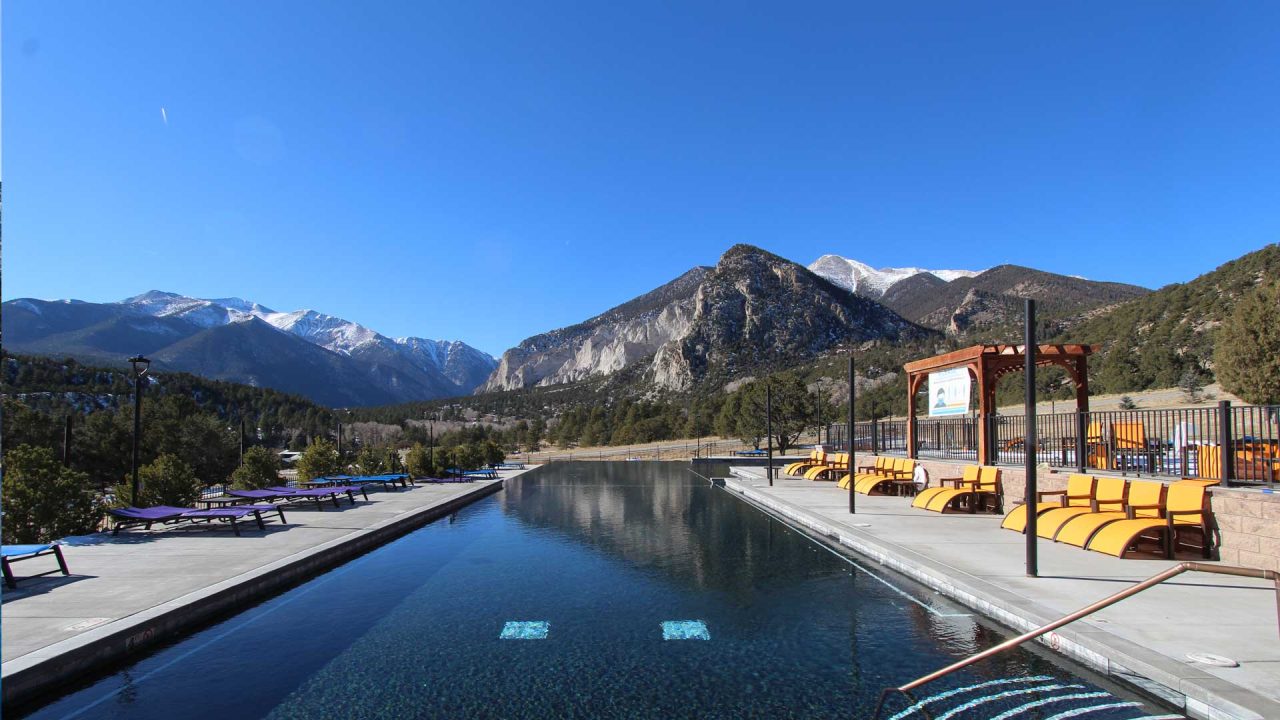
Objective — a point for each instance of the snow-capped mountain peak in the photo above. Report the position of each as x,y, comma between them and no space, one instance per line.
327,331
457,361
869,282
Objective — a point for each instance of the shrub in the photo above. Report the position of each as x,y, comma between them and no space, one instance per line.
319,459
167,481
43,500
259,469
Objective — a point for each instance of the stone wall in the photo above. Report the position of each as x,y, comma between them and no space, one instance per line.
1248,519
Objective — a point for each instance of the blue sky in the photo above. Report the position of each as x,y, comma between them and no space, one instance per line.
486,171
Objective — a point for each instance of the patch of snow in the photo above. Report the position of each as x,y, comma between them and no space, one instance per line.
867,281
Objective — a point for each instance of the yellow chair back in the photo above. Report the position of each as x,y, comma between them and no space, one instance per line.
988,479
1144,492
1110,493
1183,497
1079,484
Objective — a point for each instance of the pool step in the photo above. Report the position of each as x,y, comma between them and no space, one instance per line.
1039,697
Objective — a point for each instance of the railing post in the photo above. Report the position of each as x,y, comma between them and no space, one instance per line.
1227,470
1082,427
875,436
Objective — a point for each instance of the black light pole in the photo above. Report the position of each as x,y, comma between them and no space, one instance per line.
820,415
853,497
1030,441
242,439
431,441
140,365
768,424
66,442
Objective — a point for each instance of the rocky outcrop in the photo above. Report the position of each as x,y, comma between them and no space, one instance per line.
756,310
753,310
604,344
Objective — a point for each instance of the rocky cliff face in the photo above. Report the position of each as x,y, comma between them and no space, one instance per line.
756,310
753,310
616,338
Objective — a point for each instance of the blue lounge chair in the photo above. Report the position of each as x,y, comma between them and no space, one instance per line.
392,479
14,553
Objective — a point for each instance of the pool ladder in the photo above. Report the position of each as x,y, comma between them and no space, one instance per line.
905,690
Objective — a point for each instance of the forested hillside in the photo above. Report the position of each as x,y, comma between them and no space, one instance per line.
1153,341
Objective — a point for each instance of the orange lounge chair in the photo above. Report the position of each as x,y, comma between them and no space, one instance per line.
1186,508
968,477
986,486
1079,492
817,458
838,465
1145,500
882,466
1109,495
902,469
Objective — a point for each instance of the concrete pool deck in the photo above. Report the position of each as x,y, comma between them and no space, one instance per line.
140,588
1143,639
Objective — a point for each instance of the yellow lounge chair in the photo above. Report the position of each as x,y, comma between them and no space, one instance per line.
839,464
1109,495
987,485
1079,492
969,477
902,469
881,467
815,456
816,459
1186,507
1145,500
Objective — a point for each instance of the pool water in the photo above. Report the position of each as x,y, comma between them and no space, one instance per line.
601,590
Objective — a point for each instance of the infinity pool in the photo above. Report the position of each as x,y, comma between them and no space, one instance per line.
600,590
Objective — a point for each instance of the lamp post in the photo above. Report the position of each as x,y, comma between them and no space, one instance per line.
431,439
140,365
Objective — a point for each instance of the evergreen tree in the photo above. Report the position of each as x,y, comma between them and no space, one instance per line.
259,469
43,500
1247,348
166,481
319,459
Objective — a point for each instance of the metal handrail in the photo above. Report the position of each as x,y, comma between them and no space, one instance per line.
1082,612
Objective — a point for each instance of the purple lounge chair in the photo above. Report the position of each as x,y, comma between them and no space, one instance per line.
14,553
333,491
162,514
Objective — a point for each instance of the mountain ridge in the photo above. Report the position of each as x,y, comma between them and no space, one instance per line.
161,323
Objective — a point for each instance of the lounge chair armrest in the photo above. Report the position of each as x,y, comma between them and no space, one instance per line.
1171,513
1129,509
1045,493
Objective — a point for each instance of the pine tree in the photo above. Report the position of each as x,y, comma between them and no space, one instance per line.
1246,351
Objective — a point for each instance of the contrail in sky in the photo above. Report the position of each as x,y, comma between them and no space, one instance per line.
164,116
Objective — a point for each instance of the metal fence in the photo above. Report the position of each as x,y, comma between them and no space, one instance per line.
1188,442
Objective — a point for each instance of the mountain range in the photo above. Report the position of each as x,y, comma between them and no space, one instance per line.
753,311
330,360
756,311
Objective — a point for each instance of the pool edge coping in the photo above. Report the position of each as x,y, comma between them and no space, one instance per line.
40,672
1205,696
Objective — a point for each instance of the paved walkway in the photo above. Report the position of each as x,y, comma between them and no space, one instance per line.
969,558
134,579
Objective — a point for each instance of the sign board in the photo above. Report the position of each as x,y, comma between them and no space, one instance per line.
949,392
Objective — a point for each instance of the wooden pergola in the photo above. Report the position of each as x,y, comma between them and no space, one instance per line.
987,364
